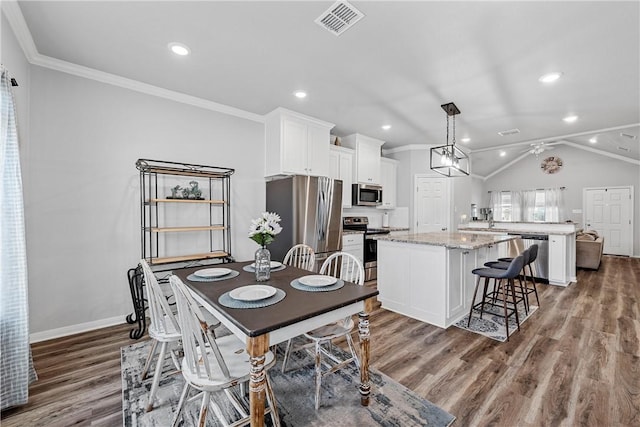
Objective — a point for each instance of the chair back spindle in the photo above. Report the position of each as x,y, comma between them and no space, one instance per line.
301,256
196,335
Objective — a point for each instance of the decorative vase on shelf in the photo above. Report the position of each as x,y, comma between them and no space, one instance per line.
263,264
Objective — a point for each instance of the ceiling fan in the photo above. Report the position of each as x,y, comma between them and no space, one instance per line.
538,148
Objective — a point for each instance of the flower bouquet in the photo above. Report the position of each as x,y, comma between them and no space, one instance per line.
263,231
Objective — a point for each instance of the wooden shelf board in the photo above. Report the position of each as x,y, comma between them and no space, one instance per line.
179,229
211,202
192,257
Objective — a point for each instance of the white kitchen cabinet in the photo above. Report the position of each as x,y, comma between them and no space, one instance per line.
367,162
353,243
341,167
296,144
388,175
558,259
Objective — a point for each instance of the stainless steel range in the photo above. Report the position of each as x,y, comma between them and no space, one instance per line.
361,223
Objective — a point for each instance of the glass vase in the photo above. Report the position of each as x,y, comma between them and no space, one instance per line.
263,264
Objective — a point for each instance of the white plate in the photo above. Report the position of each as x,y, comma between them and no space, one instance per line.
212,272
252,292
274,264
317,280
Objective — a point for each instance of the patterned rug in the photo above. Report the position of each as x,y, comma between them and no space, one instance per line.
391,404
492,324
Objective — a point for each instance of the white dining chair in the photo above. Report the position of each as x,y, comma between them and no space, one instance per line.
216,367
346,267
301,256
163,328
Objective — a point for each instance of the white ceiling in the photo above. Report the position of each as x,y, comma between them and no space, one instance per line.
396,66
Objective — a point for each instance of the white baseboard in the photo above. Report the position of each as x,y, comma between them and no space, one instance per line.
76,329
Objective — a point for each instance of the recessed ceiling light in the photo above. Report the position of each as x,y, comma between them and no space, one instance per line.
179,49
593,140
386,127
503,153
300,94
570,119
465,140
550,77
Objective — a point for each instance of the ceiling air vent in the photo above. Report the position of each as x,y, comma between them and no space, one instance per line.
623,149
509,132
339,17
627,135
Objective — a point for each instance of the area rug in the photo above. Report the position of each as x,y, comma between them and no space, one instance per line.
492,324
391,403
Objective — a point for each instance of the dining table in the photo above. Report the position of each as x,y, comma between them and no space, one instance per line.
299,311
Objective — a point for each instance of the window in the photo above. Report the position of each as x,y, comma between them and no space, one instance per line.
505,204
528,205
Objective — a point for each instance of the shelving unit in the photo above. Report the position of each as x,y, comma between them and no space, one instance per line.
164,219
177,231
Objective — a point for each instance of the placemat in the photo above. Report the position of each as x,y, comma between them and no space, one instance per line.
252,270
229,302
301,287
195,278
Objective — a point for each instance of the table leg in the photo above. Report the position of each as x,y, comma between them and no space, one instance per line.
257,347
363,330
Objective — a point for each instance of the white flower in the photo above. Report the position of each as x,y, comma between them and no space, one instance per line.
263,229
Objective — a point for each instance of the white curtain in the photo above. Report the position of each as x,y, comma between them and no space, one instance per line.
554,203
528,205
495,202
516,206
16,369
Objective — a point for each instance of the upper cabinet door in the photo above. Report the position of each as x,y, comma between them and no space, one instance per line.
367,161
294,147
317,150
296,144
388,174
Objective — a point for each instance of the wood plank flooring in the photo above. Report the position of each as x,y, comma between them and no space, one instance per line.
576,362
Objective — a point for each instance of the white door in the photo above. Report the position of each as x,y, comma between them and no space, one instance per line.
432,201
609,212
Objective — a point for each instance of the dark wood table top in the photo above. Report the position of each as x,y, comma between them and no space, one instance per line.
295,307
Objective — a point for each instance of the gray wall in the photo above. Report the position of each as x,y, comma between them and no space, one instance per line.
82,189
581,169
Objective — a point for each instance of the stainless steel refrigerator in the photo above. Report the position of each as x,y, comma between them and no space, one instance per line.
310,208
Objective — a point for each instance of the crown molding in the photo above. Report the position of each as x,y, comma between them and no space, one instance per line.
12,11
135,85
410,147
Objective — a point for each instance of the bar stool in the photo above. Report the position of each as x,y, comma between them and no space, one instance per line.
498,275
503,264
533,255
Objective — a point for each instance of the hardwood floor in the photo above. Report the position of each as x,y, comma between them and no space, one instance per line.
575,362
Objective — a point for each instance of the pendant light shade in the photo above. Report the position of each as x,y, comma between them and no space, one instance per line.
449,160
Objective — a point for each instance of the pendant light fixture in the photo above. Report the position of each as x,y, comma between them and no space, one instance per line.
449,160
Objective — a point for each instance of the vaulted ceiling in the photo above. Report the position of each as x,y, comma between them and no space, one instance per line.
395,66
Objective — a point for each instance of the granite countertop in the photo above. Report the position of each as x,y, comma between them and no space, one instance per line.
449,240
515,231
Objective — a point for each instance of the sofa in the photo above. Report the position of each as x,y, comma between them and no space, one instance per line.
589,249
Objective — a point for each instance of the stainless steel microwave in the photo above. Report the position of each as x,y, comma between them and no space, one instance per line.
366,195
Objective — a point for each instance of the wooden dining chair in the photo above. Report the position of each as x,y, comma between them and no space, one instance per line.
164,329
301,256
319,341
216,367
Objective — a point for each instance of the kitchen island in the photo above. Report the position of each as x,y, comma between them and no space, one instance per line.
556,241
428,276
